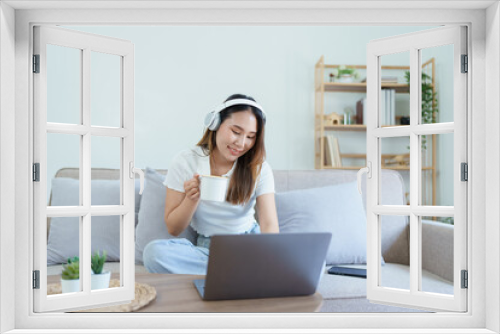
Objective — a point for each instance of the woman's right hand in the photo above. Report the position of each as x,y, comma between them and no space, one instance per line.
192,188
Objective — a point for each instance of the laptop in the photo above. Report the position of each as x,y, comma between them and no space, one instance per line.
251,266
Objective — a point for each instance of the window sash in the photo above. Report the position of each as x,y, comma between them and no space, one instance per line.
87,298
413,43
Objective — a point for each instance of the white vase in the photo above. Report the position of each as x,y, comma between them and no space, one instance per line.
70,285
100,281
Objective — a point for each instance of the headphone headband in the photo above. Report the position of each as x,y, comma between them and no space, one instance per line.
212,120
234,102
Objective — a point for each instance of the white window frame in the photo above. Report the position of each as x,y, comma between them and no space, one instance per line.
484,102
124,52
413,43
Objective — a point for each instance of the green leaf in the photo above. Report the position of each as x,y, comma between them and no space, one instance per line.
429,98
71,271
97,262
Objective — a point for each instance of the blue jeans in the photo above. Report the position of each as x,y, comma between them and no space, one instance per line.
180,256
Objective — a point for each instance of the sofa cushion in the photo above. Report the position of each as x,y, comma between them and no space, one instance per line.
336,209
98,174
395,231
151,224
63,240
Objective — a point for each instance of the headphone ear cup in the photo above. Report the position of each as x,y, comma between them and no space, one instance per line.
216,123
209,118
212,120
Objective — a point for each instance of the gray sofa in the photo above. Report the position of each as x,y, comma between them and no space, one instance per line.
343,293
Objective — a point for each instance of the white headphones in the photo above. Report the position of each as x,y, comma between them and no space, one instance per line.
212,120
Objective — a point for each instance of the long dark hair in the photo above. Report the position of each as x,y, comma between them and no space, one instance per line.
249,165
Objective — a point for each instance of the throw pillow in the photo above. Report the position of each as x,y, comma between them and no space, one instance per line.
337,209
151,224
63,240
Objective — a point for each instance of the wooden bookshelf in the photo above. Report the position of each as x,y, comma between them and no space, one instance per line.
352,127
321,128
360,87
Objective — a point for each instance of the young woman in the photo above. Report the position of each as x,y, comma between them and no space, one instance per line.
233,147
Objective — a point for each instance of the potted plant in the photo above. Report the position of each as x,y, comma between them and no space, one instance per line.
430,107
100,279
70,277
345,74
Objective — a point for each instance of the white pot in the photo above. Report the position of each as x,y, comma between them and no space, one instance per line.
100,281
70,285
345,78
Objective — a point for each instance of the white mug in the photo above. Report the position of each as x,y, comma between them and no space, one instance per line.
213,188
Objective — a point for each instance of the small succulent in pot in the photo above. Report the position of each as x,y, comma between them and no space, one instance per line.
100,279
70,277
345,74
97,262
347,70
71,270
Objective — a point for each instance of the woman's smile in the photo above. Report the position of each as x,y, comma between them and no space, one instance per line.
234,152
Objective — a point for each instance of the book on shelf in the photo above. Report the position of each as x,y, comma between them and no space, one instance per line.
328,152
337,160
359,112
388,106
392,102
332,151
383,107
363,106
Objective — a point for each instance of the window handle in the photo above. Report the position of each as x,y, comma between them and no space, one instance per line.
133,171
368,170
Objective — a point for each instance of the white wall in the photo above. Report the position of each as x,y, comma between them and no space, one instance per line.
491,163
182,72
7,167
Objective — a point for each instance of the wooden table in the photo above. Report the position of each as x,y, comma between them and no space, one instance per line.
177,293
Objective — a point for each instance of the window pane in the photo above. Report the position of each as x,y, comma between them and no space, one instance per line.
64,72
394,91
437,176
105,239
105,89
437,84
437,254
395,185
395,247
63,247
106,154
63,159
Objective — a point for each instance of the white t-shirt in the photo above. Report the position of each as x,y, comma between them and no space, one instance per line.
216,217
